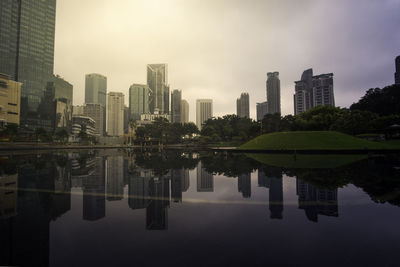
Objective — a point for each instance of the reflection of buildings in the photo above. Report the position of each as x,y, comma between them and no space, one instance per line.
244,185
139,189
185,180
273,181
24,238
93,186
205,180
316,201
115,178
178,183
157,210
8,195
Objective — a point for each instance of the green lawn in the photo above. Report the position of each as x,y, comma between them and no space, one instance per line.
312,140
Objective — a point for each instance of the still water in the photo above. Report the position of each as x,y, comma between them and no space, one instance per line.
123,208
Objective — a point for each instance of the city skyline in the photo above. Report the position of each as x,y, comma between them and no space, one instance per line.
215,73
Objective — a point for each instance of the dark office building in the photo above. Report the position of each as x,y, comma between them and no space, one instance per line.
176,98
27,52
273,85
272,178
157,210
397,73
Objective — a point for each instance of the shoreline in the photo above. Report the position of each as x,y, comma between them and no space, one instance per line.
33,147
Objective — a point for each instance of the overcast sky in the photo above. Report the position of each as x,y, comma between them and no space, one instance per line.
220,48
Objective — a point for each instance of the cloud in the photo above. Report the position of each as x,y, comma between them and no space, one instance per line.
218,49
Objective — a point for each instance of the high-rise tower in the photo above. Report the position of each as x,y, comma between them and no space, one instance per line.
138,100
27,29
397,73
159,90
176,111
242,106
204,111
96,92
273,92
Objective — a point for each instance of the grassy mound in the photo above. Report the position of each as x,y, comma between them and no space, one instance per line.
321,140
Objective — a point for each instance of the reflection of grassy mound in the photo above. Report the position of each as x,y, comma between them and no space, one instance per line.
321,140
306,161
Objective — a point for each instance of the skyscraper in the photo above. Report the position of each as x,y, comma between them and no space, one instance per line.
138,100
313,91
273,92
115,178
204,111
184,111
159,90
397,73
303,92
115,114
176,112
262,110
242,106
27,30
96,91
323,90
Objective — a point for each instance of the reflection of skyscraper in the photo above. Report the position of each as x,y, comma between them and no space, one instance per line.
205,180
276,197
115,178
139,189
157,210
8,195
272,178
316,201
185,180
244,184
177,184
94,200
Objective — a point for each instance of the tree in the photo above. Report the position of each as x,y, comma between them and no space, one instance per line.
380,101
62,135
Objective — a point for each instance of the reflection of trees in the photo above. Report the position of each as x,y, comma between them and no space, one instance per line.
162,162
231,165
376,176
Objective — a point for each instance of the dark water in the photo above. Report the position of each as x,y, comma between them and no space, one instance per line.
114,208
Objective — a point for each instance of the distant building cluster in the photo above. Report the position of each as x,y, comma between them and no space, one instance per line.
32,96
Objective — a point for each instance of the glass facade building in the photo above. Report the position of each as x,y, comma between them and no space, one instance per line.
138,100
159,90
27,29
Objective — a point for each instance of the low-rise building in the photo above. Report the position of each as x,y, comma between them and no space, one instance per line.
10,100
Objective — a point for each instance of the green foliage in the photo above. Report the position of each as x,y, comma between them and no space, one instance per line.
228,128
380,101
42,135
165,131
305,140
62,135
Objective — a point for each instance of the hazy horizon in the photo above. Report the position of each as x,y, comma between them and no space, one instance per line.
219,49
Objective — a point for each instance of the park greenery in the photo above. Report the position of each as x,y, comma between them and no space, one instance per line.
310,140
372,115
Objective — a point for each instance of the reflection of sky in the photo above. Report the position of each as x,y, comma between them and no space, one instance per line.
230,233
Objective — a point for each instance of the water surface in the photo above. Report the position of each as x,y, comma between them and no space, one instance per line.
114,207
